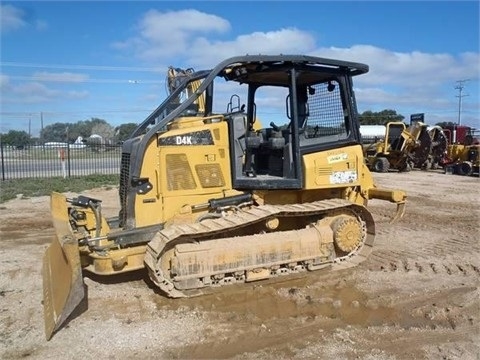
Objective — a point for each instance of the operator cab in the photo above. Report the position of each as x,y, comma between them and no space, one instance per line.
316,112
307,102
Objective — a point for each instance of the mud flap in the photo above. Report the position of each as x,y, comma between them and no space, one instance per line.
63,287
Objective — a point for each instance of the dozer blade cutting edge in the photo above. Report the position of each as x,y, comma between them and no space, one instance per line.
63,287
398,197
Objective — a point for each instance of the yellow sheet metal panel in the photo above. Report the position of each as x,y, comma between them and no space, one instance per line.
333,168
149,205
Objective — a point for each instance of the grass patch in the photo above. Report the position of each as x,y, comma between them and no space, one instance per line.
39,187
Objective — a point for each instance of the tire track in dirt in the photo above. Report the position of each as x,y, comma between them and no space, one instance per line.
427,238
388,261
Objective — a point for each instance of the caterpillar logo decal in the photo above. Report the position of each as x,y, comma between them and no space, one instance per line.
203,137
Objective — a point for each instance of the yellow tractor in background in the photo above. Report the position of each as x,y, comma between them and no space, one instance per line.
463,159
210,197
402,148
462,154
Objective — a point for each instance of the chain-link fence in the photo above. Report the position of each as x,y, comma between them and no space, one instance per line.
55,160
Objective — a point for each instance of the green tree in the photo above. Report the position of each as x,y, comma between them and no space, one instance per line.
85,128
15,138
105,130
379,118
81,128
69,132
55,132
123,131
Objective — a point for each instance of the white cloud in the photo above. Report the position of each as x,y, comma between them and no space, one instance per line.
408,82
392,99
181,36
162,35
4,81
34,92
11,18
73,94
287,41
407,69
61,77
411,82
14,18
171,26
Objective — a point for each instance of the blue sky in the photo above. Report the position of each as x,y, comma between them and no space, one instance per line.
74,60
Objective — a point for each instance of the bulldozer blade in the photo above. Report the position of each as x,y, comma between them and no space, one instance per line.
63,287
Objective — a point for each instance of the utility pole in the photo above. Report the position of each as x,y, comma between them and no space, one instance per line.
460,88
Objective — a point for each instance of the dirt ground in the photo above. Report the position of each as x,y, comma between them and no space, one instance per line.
416,297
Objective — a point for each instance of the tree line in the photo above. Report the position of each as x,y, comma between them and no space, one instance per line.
69,133
379,118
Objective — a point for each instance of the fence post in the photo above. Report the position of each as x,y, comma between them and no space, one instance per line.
61,156
3,163
68,159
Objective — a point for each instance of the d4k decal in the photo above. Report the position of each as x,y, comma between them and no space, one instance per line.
203,137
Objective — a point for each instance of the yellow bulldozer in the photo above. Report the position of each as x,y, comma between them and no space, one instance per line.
210,197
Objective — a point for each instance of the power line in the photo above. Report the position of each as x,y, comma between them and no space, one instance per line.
84,80
83,67
55,113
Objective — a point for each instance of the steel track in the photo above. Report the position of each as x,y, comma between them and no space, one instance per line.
215,228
